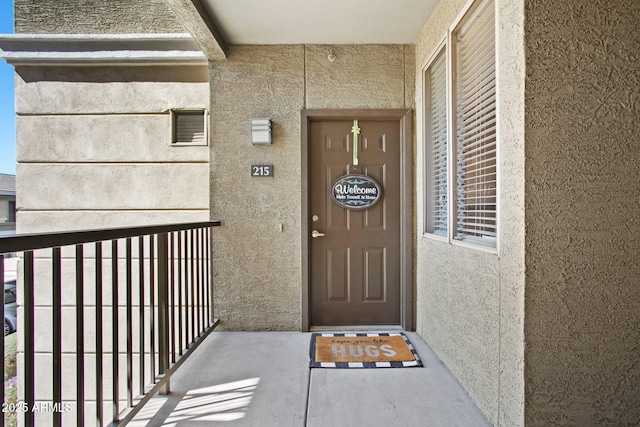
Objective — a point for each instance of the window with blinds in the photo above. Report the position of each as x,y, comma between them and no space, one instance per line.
436,145
474,96
188,127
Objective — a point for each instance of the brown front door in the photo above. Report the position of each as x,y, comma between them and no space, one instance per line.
355,256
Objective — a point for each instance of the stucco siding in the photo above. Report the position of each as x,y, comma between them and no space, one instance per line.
257,268
93,150
109,90
95,17
470,304
112,186
583,217
362,76
410,80
43,221
511,73
95,141
128,138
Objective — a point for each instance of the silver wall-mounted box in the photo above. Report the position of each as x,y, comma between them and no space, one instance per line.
261,131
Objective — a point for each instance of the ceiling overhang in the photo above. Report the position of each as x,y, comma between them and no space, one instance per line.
199,23
215,24
261,22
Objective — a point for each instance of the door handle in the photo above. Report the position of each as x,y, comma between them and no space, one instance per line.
316,234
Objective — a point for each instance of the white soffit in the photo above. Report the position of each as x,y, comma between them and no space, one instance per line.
320,21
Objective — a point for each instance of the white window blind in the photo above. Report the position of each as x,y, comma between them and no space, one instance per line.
475,125
189,127
436,145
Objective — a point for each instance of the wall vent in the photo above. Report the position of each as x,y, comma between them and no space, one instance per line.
188,127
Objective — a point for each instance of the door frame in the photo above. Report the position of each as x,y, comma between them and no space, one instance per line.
404,118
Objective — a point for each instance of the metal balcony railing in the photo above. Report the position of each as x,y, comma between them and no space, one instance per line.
148,289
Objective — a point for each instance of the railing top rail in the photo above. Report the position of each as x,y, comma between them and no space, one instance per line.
30,242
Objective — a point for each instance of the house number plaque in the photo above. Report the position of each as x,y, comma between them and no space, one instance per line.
355,191
262,171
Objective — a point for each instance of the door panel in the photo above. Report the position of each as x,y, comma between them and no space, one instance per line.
375,284
338,275
355,266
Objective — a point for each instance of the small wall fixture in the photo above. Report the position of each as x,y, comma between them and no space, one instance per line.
261,131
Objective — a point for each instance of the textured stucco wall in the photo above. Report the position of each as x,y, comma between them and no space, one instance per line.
583,213
93,152
256,268
364,76
93,147
95,17
470,304
257,276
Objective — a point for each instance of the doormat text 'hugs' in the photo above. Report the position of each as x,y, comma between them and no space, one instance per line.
364,350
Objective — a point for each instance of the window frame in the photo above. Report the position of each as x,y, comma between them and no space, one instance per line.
448,44
427,143
472,241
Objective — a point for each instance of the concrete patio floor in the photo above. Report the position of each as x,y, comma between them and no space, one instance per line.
264,379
